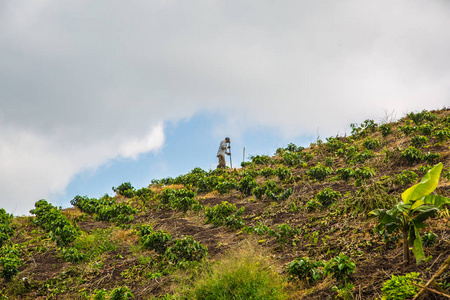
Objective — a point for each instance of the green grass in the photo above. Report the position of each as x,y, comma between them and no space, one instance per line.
244,274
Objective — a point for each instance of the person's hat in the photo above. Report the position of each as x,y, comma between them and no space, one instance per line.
227,138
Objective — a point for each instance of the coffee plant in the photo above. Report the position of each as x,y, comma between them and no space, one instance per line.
406,177
121,293
125,189
285,233
284,174
267,172
412,155
363,156
327,196
9,261
424,115
305,269
429,238
260,159
55,223
401,287
246,185
426,129
105,208
157,240
334,143
72,255
5,227
293,159
419,141
319,172
340,267
227,186
225,214
407,129
186,249
312,205
345,173
181,200
371,144
386,129
431,158
363,174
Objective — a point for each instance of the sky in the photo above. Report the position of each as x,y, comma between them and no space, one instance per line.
97,93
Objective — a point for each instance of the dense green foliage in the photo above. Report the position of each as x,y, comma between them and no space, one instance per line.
401,287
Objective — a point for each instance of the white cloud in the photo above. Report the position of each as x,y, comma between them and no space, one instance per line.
34,167
84,82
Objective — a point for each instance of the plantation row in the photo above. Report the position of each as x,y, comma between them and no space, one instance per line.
323,212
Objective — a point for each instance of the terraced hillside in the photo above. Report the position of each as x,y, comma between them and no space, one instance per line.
292,226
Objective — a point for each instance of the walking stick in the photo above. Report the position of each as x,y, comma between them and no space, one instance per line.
229,151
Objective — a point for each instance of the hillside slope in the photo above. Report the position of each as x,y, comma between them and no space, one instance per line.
164,240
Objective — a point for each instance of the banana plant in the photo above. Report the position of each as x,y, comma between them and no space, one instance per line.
409,215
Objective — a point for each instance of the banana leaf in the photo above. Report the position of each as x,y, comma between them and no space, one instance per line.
427,185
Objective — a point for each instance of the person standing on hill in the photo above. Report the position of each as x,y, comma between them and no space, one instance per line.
224,145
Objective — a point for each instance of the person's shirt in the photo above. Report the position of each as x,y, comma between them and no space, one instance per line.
222,148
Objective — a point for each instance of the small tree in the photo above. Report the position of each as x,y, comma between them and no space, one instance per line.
409,215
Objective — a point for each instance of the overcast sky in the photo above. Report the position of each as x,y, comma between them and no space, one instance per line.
92,91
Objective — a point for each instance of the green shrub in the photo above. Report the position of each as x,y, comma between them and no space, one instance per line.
55,223
407,129
429,238
319,172
226,186
419,141
426,129
431,158
121,293
279,195
186,249
412,155
285,233
363,156
334,143
9,261
119,213
442,134
260,229
145,193
405,178
5,227
225,214
272,191
73,255
340,267
305,269
158,241
385,129
292,159
267,172
181,200
268,185
363,174
260,159
424,115
327,196
401,287
345,173
247,184
284,174
125,189
312,205
371,144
